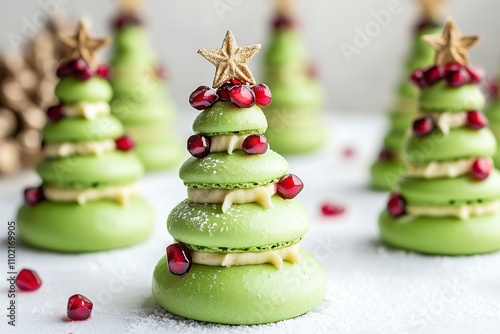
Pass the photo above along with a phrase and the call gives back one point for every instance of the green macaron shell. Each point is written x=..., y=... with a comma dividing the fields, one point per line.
x=71, y=90
x=422, y=55
x=493, y=112
x=72, y=129
x=296, y=138
x=385, y=174
x=154, y=109
x=241, y=295
x=244, y=227
x=234, y=171
x=395, y=140
x=132, y=44
x=285, y=49
x=290, y=97
x=226, y=118
x=451, y=191
x=159, y=155
x=150, y=133
x=460, y=143
x=96, y=226
x=86, y=171
x=441, y=97
x=407, y=89
x=442, y=235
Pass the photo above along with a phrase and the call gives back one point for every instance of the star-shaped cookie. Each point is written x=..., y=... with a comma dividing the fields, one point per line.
x=230, y=60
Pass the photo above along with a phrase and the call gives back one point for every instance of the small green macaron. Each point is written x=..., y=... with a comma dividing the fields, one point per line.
x=441, y=97
x=72, y=129
x=72, y=90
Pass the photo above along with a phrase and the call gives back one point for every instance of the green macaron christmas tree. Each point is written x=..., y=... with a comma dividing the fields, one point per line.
x=88, y=200
x=390, y=165
x=493, y=114
x=449, y=201
x=140, y=100
x=236, y=257
x=294, y=114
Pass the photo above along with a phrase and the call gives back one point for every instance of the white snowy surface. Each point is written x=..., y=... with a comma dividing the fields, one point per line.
x=372, y=288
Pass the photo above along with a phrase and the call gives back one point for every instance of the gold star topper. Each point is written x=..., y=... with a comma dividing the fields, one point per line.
x=451, y=46
x=230, y=60
x=81, y=44
x=130, y=6
x=285, y=7
x=432, y=9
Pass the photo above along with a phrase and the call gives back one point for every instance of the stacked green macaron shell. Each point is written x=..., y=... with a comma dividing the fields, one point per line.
x=88, y=200
x=139, y=96
x=449, y=201
x=493, y=115
x=390, y=165
x=294, y=114
x=237, y=257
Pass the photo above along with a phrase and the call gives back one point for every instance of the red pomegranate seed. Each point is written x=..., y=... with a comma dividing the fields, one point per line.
x=84, y=74
x=396, y=205
x=79, y=307
x=481, y=168
x=125, y=20
x=289, y=186
x=476, y=74
x=235, y=82
x=423, y=126
x=178, y=259
x=28, y=280
x=417, y=77
x=103, y=71
x=124, y=143
x=348, y=152
x=198, y=146
x=161, y=72
x=283, y=22
x=223, y=92
x=71, y=67
x=203, y=97
x=329, y=209
x=385, y=155
x=55, y=113
x=433, y=74
x=255, y=144
x=263, y=95
x=242, y=96
x=33, y=196
x=458, y=78
x=452, y=67
x=476, y=119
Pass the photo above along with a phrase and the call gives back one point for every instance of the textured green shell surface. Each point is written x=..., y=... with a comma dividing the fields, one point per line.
x=296, y=137
x=285, y=48
x=111, y=168
x=386, y=174
x=96, y=226
x=304, y=96
x=226, y=118
x=71, y=90
x=241, y=295
x=451, y=191
x=244, y=227
x=441, y=97
x=72, y=129
x=237, y=170
x=460, y=143
x=442, y=235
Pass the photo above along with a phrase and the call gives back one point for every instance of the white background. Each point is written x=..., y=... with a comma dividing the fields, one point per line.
x=180, y=27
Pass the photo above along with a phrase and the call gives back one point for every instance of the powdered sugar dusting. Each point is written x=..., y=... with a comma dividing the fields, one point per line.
x=160, y=321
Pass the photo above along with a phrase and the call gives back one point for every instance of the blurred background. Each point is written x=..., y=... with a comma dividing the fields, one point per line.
x=361, y=82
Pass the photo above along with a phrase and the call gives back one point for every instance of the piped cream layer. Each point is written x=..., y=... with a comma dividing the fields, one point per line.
x=274, y=257
x=463, y=211
x=260, y=195
x=61, y=150
x=120, y=194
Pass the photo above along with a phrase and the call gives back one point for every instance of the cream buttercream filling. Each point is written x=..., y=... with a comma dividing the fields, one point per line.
x=436, y=169
x=87, y=110
x=463, y=211
x=120, y=194
x=274, y=257
x=260, y=195
x=226, y=143
x=83, y=148
x=448, y=120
